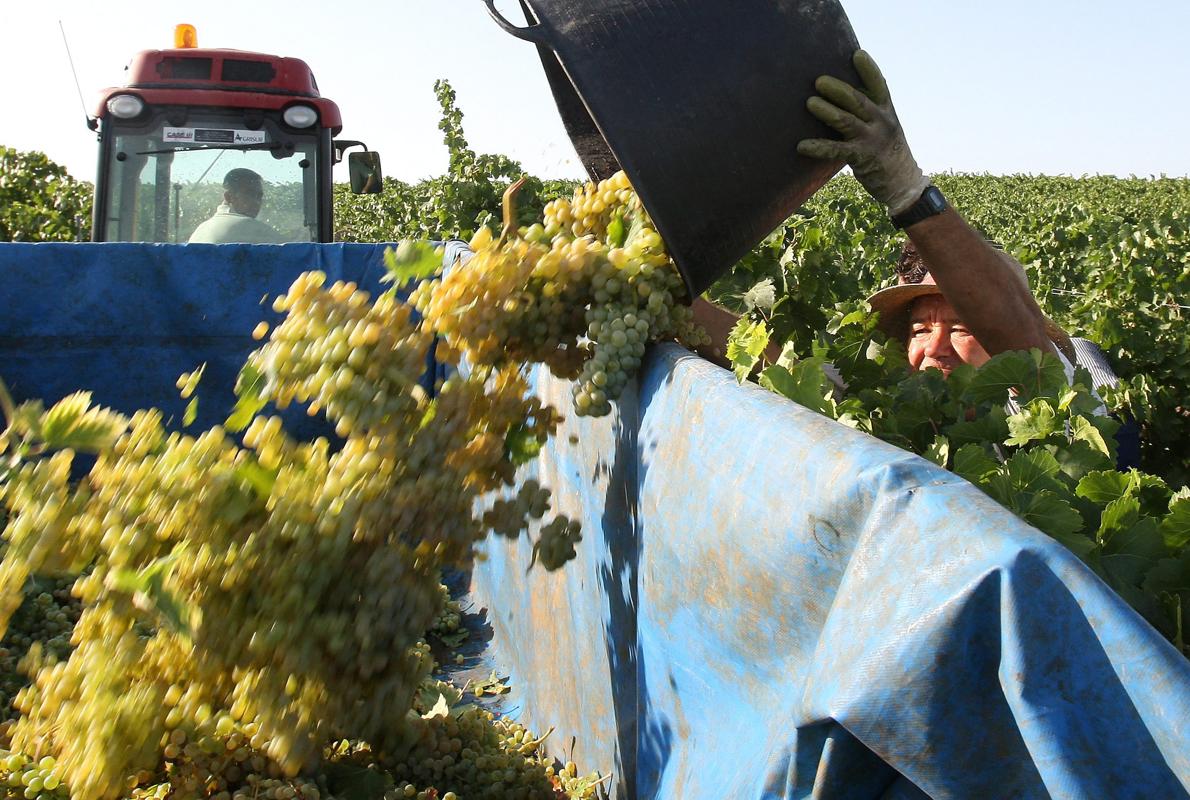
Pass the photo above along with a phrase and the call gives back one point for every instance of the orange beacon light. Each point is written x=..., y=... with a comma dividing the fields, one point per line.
x=185, y=36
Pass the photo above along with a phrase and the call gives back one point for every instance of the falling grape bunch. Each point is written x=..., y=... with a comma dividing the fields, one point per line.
x=242, y=607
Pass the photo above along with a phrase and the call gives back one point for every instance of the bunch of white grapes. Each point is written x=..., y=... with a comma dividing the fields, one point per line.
x=583, y=292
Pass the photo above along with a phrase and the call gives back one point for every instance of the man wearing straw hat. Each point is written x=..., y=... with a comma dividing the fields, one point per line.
x=916, y=312
x=973, y=300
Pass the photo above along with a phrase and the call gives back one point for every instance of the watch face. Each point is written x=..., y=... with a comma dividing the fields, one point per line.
x=935, y=200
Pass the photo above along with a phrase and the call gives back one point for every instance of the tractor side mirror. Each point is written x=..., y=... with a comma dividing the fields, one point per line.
x=365, y=172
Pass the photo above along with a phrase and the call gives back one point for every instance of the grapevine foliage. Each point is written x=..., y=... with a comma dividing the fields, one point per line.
x=1050, y=459
x=454, y=205
x=1108, y=259
x=39, y=201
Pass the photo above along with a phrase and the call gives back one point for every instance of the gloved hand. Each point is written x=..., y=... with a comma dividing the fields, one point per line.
x=873, y=144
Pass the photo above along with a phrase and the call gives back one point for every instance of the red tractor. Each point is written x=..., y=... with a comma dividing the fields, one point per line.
x=194, y=133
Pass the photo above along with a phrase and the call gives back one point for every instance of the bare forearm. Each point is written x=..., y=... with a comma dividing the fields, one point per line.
x=717, y=322
x=982, y=284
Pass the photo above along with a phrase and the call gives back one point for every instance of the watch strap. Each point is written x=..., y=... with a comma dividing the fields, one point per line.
x=931, y=202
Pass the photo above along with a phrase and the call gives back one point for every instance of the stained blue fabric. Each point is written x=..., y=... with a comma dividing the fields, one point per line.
x=767, y=604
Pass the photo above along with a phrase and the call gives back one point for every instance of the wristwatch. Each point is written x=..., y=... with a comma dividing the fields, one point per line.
x=931, y=202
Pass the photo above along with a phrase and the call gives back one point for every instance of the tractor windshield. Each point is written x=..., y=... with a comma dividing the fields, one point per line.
x=213, y=179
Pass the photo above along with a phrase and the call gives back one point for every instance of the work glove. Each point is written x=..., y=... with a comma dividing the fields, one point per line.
x=874, y=144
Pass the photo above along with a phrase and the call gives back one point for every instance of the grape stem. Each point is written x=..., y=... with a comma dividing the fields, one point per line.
x=510, y=194
x=6, y=404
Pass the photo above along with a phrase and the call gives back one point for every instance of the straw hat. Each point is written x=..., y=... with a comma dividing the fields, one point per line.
x=895, y=302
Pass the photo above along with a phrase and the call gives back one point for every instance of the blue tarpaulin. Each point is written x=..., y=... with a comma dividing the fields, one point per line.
x=125, y=320
x=766, y=604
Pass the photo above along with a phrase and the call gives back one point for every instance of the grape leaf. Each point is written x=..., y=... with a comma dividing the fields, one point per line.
x=990, y=426
x=1078, y=459
x=189, y=381
x=1129, y=555
x=250, y=398
x=521, y=444
x=1037, y=420
x=1050, y=513
x=440, y=709
x=493, y=685
x=147, y=587
x=745, y=344
x=258, y=477
x=1104, y=486
x=1118, y=515
x=1030, y=471
x=354, y=781
x=973, y=463
x=411, y=261
x=1170, y=575
x=804, y=383
x=1032, y=374
x=63, y=415
x=938, y=451
x=616, y=232
x=72, y=422
x=1098, y=432
x=762, y=295
x=191, y=412
x=1175, y=528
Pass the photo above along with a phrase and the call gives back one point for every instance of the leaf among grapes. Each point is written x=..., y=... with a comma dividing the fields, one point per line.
x=250, y=399
x=351, y=781
x=26, y=419
x=745, y=344
x=522, y=445
x=260, y=478
x=191, y=412
x=411, y=261
x=147, y=587
x=73, y=423
x=441, y=708
x=188, y=381
x=492, y=685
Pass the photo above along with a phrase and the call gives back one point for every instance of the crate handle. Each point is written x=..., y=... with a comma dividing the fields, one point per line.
x=533, y=33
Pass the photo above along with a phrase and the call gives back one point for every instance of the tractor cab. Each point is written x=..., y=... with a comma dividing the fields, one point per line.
x=219, y=146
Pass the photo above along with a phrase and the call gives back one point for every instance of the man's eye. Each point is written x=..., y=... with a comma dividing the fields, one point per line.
x=921, y=331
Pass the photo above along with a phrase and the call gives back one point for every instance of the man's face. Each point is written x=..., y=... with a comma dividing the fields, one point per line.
x=938, y=338
x=246, y=199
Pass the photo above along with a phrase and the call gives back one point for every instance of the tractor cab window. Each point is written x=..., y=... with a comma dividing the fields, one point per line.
x=213, y=179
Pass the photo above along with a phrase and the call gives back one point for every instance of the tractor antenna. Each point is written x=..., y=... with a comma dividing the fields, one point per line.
x=92, y=123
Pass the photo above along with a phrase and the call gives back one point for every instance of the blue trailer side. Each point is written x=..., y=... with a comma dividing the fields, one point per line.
x=768, y=604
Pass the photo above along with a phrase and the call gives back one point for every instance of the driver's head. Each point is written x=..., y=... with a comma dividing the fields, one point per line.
x=243, y=190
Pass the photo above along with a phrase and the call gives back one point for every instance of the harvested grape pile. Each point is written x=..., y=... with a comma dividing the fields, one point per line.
x=252, y=610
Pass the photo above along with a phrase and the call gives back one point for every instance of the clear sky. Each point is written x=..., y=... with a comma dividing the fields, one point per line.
x=1046, y=86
